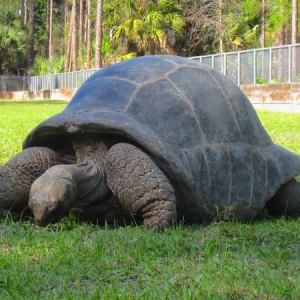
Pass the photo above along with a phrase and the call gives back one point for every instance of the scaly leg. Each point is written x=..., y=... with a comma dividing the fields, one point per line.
x=140, y=186
x=18, y=174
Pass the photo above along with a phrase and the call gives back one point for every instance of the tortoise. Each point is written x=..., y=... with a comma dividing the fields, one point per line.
x=156, y=139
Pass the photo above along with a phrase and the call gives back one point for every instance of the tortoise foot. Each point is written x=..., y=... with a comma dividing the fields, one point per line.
x=140, y=186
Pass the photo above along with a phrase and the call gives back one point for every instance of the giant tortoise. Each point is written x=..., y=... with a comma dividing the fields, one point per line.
x=158, y=139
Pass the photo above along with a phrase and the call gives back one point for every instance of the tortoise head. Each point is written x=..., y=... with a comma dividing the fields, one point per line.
x=51, y=198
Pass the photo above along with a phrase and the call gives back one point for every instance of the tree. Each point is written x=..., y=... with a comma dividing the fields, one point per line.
x=277, y=22
x=31, y=32
x=95, y=33
x=148, y=27
x=294, y=36
x=98, y=60
x=81, y=29
x=200, y=31
x=70, y=61
x=263, y=24
x=13, y=49
x=24, y=12
x=88, y=35
x=50, y=28
x=294, y=21
x=74, y=36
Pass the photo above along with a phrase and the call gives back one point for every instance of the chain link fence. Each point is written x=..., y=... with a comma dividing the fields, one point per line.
x=44, y=82
x=14, y=83
x=60, y=81
x=267, y=65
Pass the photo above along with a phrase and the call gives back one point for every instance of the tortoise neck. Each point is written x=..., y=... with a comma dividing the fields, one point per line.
x=91, y=156
x=89, y=148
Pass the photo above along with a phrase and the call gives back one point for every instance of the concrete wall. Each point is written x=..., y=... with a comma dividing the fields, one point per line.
x=56, y=94
x=276, y=97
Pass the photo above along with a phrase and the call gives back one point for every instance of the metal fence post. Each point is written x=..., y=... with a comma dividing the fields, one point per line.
x=290, y=64
x=254, y=67
x=270, y=65
x=238, y=68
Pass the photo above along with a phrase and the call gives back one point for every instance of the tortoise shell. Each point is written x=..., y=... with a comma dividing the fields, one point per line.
x=198, y=127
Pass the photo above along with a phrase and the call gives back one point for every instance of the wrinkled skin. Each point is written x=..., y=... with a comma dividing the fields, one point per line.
x=103, y=186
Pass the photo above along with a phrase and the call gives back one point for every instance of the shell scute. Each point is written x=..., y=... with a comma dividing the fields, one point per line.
x=158, y=105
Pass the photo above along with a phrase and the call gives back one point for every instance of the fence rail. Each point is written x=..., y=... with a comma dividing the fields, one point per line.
x=266, y=65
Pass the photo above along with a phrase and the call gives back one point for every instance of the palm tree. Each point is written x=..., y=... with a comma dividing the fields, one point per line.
x=147, y=27
x=13, y=49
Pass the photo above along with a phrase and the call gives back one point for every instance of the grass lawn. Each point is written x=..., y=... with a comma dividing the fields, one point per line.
x=217, y=261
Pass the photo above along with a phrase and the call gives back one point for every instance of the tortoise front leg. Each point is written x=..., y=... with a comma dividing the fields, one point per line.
x=18, y=174
x=286, y=202
x=140, y=186
x=64, y=187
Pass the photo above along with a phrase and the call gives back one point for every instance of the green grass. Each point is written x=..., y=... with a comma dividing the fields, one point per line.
x=18, y=118
x=284, y=128
x=260, y=260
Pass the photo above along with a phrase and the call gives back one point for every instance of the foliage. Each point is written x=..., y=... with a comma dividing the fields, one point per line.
x=44, y=66
x=146, y=27
x=189, y=27
x=13, y=43
x=261, y=81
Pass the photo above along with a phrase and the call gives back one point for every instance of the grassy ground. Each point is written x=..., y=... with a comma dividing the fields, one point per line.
x=218, y=261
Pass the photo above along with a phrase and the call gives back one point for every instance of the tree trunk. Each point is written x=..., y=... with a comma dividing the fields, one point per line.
x=31, y=33
x=88, y=35
x=98, y=60
x=23, y=11
x=47, y=16
x=294, y=21
x=263, y=25
x=81, y=23
x=281, y=40
x=66, y=11
x=50, y=45
x=69, y=53
x=221, y=45
x=294, y=38
x=74, y=48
